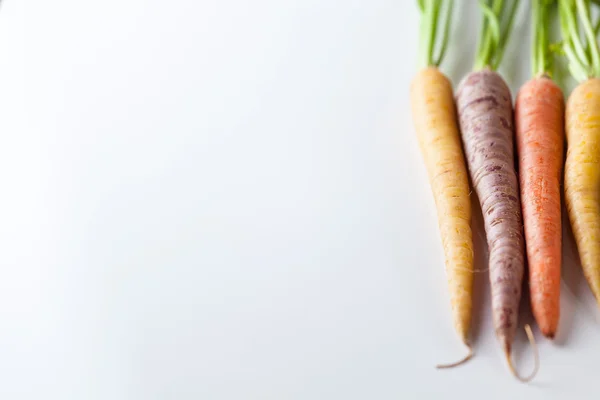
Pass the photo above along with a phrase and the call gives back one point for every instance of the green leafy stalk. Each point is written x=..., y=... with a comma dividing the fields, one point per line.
x=535, y=56
x=504, y=38
x=544, y=66
x=576, y=68
x=572, y=26
x=432, y=13
x=597, y=27
x=541, y=60
x=481, y=45
x=446, y=33
x=492, y=34
x=583, y=8
x=582, y=52
x=497, y=23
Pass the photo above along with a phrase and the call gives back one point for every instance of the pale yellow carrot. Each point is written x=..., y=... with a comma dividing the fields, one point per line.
x=582, y=176
x=434, y=116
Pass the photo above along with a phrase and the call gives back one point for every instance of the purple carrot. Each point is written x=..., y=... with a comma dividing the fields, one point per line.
x=485, y=113
x=485, y=116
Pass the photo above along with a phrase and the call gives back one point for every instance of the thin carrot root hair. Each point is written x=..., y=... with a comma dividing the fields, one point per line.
x=474, y=270
x=459, y=362
x=536, y=358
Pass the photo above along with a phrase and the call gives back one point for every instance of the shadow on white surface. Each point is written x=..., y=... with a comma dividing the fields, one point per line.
x=481, y=282
x=574, y=286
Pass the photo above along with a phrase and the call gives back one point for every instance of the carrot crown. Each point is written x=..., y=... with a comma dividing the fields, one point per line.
x=579, y=38
x=497, y=22
x=432, y=12
x=541, y=60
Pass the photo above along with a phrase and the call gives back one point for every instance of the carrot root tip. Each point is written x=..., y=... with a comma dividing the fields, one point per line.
x=550, y=335
x=459, y=362
x=535, y=357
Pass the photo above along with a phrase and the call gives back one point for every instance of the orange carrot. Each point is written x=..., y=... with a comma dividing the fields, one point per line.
x=539, y=117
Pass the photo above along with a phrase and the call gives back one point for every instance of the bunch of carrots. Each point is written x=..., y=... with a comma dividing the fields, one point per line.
x=513, y=160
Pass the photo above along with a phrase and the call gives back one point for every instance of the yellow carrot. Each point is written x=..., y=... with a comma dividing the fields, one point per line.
x=582, y=176
x=434, y=117
x=582, y=118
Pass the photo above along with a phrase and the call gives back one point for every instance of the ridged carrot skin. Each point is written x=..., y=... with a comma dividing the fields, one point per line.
x=486, y=121
x=434, y=116
x=582, y=176
x=539, y=118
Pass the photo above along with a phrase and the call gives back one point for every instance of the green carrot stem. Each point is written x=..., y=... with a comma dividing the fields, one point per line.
x=432, y=12
x=493, y=37
x=446, y=32
x=582, y=64
x=506, y=35
x=540, y=49
x=584, y=15
x=572, y=26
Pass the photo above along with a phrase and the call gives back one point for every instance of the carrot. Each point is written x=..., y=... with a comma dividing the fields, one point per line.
x=435, y=123
x=539, y=118
x=582, y=167
x=582, y=176
x=486, y=121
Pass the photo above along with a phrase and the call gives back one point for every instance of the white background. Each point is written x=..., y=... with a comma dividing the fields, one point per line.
x=224, y=199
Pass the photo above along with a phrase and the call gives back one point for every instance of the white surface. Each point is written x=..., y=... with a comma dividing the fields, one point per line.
x=225, y=200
